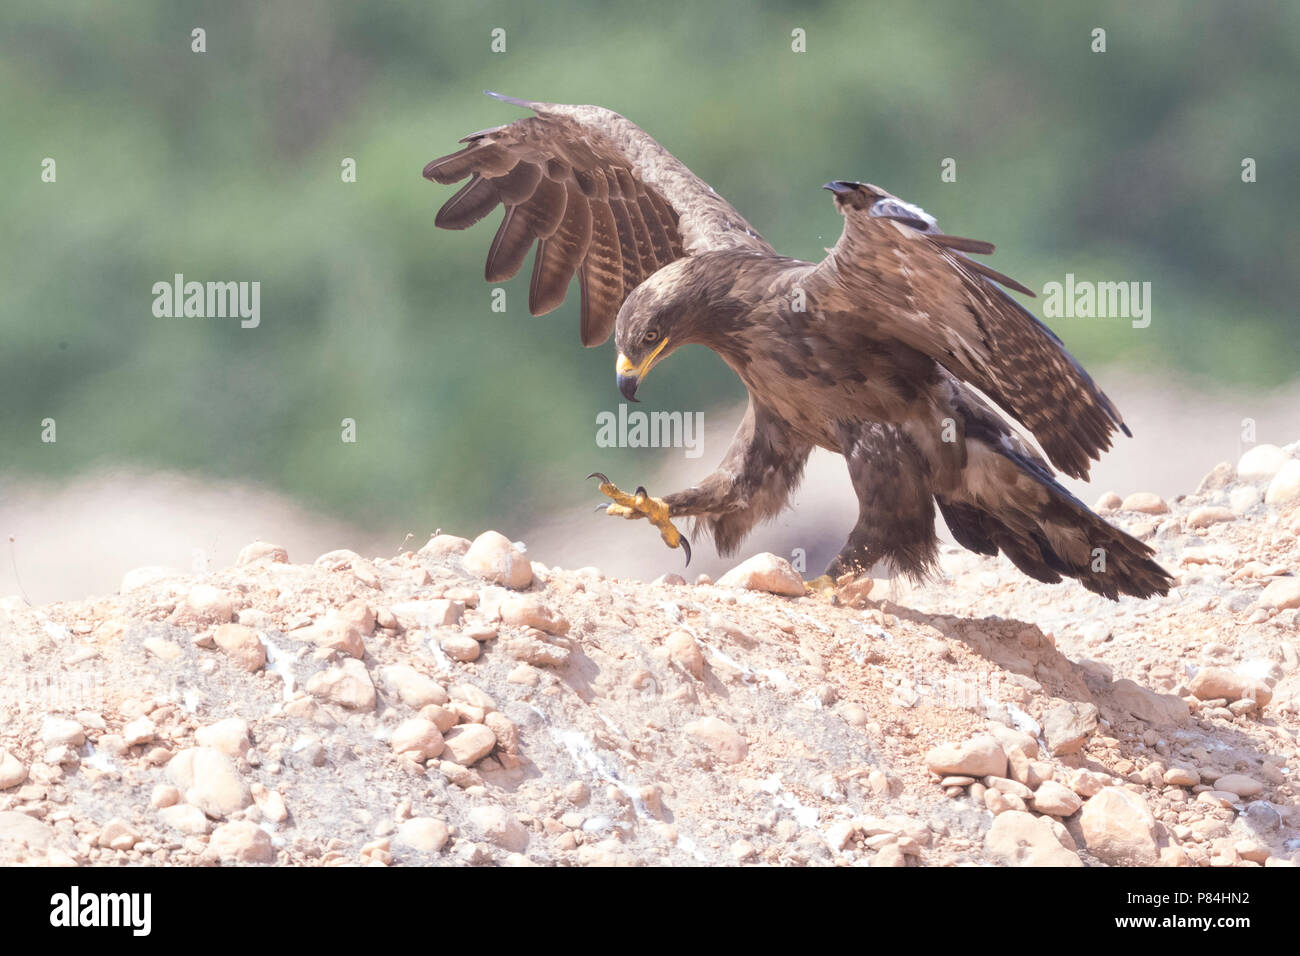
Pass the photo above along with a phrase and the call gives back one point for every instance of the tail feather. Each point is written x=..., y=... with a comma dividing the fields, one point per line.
x=1011, y=503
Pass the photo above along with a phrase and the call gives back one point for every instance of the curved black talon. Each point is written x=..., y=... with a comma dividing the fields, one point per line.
x=641, y=492
x=686, y=546
x=596, y=474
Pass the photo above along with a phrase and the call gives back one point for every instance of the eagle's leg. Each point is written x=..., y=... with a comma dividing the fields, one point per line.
x=895, y=505
x=639, y=504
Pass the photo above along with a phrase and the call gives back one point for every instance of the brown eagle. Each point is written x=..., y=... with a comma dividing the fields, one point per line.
x=871, y=353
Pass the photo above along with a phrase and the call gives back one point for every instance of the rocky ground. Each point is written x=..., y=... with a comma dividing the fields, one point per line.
x=465, y=704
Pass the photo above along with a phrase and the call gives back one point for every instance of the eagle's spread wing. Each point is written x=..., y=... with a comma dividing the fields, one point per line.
x=601, y=199
x=892, y=267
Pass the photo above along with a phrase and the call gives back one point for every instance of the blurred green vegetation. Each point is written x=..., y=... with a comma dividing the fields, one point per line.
x=225, y=165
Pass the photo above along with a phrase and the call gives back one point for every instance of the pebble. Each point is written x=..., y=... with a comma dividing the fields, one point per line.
x=469, y=743
x=164, y=795
x=209, y=780
x=184, y=818
x=528, y=611
x=411, y=687
x=1108, y=502
x=60, y=731
x=765, y=572
x=1067, y=726
x=242, y=646
x=718, y=738
x=1182, y=777
x=423, y=833
x=230, y=736
x=417, y=738
x=1284, y=489
x=980, y=756
x=204, y=604
x=499, y=827
x=1261, y=463
x=1056, y=799
x=347, y=684
x=12, y=770
x=684, y=651
x=532, y=650
x=460, y=648
x=336, y=634
x=1216, y=683
x=1281, y=593
x=505, y=731
x=445, y=545
x=1119, y=828
x=1145, y=502
x=242, y=842
x=1244, y=497
x=117, y=834
x=262, y=551
x=139, y=731
x=1207, y=515
x=1239, y=784
x=493, y=558
x=1018, y=838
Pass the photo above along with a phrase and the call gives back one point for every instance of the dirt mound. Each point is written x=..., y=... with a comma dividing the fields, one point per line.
x=467, y=705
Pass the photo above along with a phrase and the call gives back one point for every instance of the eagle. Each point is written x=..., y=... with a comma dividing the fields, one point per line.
x=897, y=351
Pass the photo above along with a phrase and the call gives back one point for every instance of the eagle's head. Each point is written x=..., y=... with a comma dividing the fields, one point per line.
x=663, y=313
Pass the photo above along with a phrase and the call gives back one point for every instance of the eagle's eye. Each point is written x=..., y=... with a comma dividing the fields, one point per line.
x=650, y=336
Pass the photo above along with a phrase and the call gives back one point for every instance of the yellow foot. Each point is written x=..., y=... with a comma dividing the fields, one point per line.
x=823, y=586
x=639, y=504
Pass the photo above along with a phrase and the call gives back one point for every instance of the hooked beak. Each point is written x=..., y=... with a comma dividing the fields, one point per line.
x=630, y=376
x=840, y=186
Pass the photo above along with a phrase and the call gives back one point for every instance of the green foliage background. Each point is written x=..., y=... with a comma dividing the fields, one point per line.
x=225, y=165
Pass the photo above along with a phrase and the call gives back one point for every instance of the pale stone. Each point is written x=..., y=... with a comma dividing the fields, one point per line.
x=440, y=717
x=765, y=572
x=139, y=731
x=1108, y=502
x=460, y=648
x=469, y=743
x=1239, y=784
x=12, y=770
x=164, y=795
x=417, y=738
x=1216, y=683
x=1261, y=463
x=411, y=687
x=1281, y=593
x=445, y=545
x=423, y=833
x=719, y=738
x=1067, y=725
x=347, y=684
x=262, y=551
x=1145, y=502
x=1284, y=489
x=230, y=736
x=335, y=633
x=532, y=650
x=1244, y=497
x=499, y=826
x=204, y=604
x=242, y=645
x=684, y=651
x=242, y=842
x=493, y=558
x=1119, y=829
x=117, y=834
x=1056, y=799
x=209, y=780
x=979, y=756
x=60, y=731
x=528, y=611
x=1182, y=777
x=1207, y=515
x=1021, y=839
x=185, y=818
